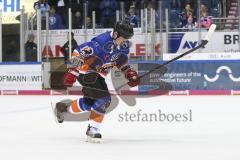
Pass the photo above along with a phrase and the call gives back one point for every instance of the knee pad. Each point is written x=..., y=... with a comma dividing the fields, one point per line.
x=102, y=104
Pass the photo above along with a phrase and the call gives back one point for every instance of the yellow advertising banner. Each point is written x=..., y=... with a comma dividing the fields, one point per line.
x=12, y=8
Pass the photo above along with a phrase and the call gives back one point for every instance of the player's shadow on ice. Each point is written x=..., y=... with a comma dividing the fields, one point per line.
x=145, y=91
x=129, y=97
x=151, y=84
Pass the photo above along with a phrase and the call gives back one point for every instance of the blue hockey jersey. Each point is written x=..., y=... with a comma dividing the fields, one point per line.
x=101, y=51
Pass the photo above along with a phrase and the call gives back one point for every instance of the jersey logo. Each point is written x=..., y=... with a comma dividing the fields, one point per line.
x=86, y=51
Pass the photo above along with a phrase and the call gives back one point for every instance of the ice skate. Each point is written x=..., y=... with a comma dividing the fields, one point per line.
x=93, y=135
x=59, y=109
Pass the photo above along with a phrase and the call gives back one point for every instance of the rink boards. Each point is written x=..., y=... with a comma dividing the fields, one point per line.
x=185, y=77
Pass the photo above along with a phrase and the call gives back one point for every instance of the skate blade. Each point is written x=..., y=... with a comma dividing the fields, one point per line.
x=93, y=140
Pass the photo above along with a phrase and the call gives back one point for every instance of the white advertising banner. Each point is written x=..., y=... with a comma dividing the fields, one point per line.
x=222, y=46
x=221, y=42
x=28, y=77
x=20, y=77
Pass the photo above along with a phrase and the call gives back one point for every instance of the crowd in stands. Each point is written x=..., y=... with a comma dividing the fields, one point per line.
x=189, y=21
x=182, y=13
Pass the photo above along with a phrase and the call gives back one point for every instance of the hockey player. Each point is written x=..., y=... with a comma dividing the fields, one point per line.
x=91, y=62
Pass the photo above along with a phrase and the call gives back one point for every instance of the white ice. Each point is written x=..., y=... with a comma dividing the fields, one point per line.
x=28, y=131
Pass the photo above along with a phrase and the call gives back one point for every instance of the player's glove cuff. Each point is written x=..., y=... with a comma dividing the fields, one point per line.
x=76, y=61
x=70, y=78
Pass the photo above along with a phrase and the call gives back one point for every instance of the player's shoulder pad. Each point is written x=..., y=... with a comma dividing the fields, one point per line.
x=102, y=39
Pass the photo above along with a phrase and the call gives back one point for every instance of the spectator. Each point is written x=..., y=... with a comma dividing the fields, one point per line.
x=31, y=49
x=133, y=3
x=188, y=11
x=108, y=12
x=55, y=20
x=190, y=26
x=62, y=10
x=207, y=3
x=188, y=8
x=89, y=22
x=65, y=48
x=60, y=3
x=132, y=17
x=206, y=21
x=44, y=8
x=192, y=3
x=203, y=8
x=77, y=20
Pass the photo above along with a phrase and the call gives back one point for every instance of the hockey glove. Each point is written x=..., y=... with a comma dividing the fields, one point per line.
x=133, y=77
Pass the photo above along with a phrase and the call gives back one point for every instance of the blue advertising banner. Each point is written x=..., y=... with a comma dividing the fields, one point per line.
x=193, y=75
x=175, y=40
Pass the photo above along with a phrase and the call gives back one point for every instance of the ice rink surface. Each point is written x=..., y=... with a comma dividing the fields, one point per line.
x=28, y=130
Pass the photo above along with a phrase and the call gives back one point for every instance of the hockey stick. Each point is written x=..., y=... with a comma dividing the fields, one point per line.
x=202, y=44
